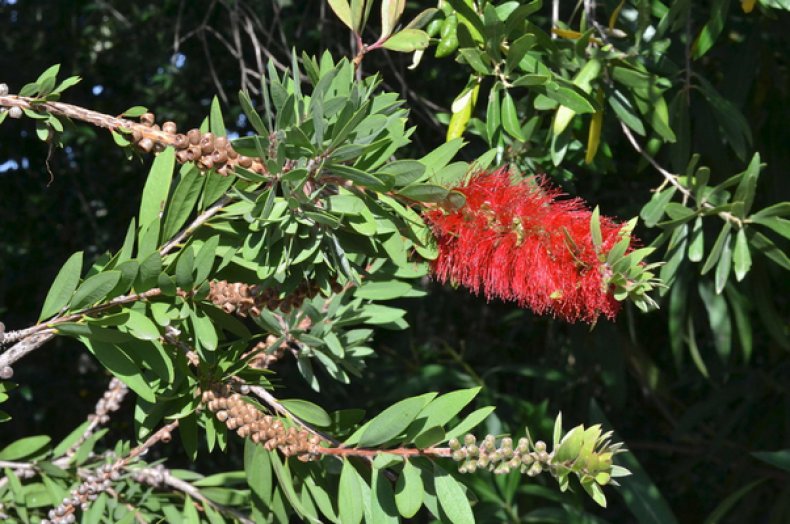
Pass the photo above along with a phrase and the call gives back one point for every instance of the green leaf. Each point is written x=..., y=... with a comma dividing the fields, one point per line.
x=443, y=408
x=182, y=203
x=557, y=434
x=748, y=184
x=382, y=500
x=391, y=11
x=383, y=290
x=570, y=445
x=204, y=260
x=697, y=242
x=712, y=29
x=476, y=59
x=392, y=421
x=452, y=497
x=216, y=124
x=157, y=187
x=569, y=98
x=765, y=245
x=719, y=318
x=357, y=176
x=779, y=459
x=185, y=266
x=350, y=495
x=307, y=411
x=510, y=118
x=135, y=111
x=343, y=11
x=46, y=80
x=140, y=326
x=470, y=422
x=718, y=246
x=442, y=155
x=723, y=267
x=407, y=41
x=519, y=48
x=653, y=211
x=424, y=193
x=493, y=117
x=741, y=257
x=595, y=492
x=778, y=225
x=409, y=490
x=63, y=287
x=122, y=366
x=780, y=209
x=148, y=273
x=25, y=447
x=258, y=470
x=94, y=289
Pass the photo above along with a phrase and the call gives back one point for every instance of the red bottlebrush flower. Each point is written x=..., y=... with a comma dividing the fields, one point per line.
x=519, y=242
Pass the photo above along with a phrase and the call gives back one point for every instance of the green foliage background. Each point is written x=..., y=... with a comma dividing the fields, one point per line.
x=693, y=435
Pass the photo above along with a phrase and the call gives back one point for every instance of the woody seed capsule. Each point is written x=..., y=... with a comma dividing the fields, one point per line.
x=147, y=119
x=146, y=144
x=169, y=127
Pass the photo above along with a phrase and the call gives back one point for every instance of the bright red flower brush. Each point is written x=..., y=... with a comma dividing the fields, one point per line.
x=520, y=242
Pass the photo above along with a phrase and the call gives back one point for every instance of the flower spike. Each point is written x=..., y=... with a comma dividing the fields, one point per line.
x=522, y=243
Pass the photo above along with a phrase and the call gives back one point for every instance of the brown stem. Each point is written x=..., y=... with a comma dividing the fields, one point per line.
x=371, y=453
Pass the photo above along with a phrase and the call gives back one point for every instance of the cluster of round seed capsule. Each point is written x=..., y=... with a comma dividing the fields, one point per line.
x=266, y=353
x=206, y=150
x=243, y=299
x=248, y=421
x=110, y=401
x=500, y=459
x=153, y=476
x=81, y=496
x=14, y=111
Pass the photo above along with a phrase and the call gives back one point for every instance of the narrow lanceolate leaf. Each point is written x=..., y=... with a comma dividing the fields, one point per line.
x=452, y=497
x=594, y=134
x=715, y=253
x=392, y=421
x=63, y=287
x=510, y=117
x=407, y=41
x=343, y=11
x=95, y=289
x=741, y=258
x=157, y=188
x=409, y=491
x=24, y=447
x=217, y=126
x=391, y=11
x=350, y=495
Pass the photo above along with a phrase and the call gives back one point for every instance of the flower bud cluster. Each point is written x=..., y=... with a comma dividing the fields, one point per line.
x=248, y=421
x=206, y=150
x=243, y=299
x=110, y=401
x=81, y=496
x=500, y=459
